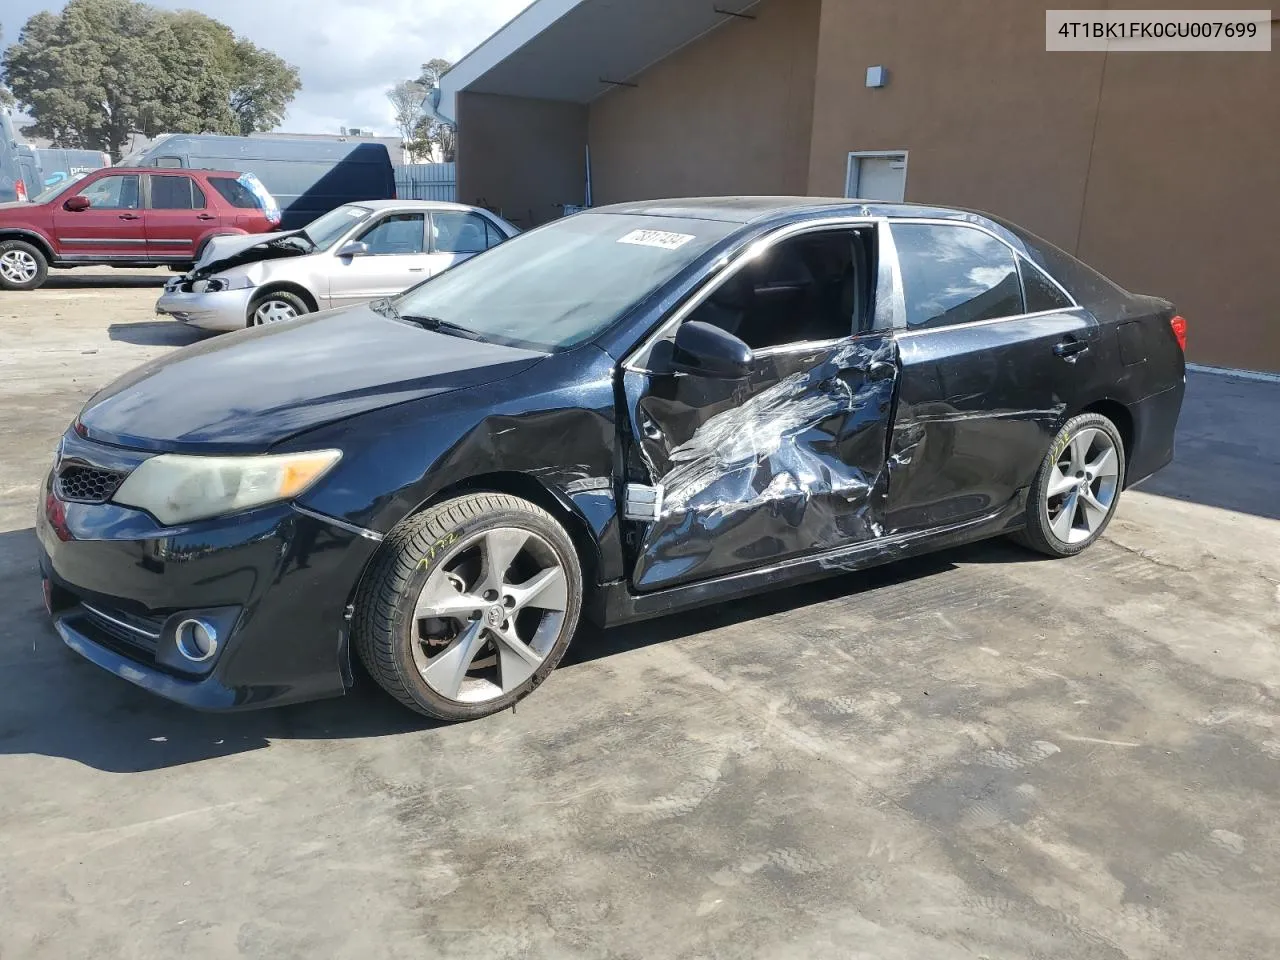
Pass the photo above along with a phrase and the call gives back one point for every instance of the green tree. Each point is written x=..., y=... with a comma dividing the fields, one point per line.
x=262, y=85
x=6, y=98
x=103, y=70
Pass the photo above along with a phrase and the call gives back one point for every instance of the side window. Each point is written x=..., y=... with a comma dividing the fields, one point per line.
x=400, y=233
x=117, y=192
x=175, y=193
x=458, y=232
x=234, y=192
x=169, y=163
x=955, y=274
x=811, y=288
x=1040, y=292
x=493, y=236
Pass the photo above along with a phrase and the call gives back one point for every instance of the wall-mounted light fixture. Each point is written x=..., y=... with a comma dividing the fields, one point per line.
x=877, y=76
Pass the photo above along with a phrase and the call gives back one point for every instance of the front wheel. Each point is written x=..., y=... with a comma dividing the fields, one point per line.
x=470, y=606
x=275, y=307
x=22, y=265
x=1077, y=488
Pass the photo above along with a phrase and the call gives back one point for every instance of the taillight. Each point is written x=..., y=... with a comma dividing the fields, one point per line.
x=21, y=189
x=1179, y=326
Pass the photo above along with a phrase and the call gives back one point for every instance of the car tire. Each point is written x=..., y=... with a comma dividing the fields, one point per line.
x=1077, y=488
x=428, y=623
x=278, y=304
x=23, y=266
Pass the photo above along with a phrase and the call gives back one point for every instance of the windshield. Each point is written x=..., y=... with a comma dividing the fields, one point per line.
x=565, y=283
x=325, y=231
x=48, y=193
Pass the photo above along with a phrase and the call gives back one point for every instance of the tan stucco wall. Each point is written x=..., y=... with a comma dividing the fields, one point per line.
x=1162, y=170
x=728, y=114
x=521, y=157
x=1184, y=195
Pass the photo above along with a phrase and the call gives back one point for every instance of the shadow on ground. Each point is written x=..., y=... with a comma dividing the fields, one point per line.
x=59, y=280
x=157, y=333
x=58, y=705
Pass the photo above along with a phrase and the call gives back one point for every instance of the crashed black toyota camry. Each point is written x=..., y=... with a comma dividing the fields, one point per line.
x=629, y=412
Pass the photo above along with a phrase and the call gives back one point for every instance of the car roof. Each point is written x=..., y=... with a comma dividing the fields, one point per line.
x=768, y=211
x=754, y=209
x=164, y=170
x=409, y=205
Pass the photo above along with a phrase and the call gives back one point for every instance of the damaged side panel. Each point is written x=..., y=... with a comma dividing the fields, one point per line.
x=977, y=408
x=744, y=472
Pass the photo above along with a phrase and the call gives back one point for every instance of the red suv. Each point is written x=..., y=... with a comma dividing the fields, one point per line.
x=128, y=218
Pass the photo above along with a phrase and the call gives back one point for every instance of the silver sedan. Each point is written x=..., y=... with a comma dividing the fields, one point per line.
x=355, y=253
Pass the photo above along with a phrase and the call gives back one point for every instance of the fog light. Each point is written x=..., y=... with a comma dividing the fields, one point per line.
x=197, y=640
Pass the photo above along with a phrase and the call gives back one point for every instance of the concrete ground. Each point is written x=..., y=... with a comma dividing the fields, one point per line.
x=974, y=754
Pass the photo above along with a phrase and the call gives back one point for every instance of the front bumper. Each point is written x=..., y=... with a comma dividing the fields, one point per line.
x=224, y=310
x=276, y=581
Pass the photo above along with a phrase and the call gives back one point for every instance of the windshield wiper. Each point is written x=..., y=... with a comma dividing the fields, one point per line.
x=434, y=324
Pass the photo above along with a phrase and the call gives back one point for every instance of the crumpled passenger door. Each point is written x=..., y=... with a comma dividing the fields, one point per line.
x=747, y=473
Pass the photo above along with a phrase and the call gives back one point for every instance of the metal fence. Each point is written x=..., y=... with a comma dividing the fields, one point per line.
x=427, y=181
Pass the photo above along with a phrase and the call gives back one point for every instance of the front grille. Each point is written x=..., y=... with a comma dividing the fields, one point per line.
x=84, y=484
x=140, y=635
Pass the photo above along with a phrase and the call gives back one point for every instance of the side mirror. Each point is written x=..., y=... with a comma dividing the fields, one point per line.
x=355, y=248
x=708, y=351
x=77, y=204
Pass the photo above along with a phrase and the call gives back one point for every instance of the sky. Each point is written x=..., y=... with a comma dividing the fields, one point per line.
x=348, y=51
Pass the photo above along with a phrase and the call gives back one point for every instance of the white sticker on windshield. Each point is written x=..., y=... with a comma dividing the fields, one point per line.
x=657, y=238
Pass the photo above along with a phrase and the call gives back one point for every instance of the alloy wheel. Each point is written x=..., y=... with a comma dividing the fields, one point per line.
x=1082, y=486
x=488, y=615
x=273, y=311
x=18, y=266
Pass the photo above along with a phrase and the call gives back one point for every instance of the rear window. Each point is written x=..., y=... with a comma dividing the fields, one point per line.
x=235, y=193
x=247, y=193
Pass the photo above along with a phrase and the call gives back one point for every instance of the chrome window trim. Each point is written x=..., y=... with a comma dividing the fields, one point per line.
x=920, y=332
x=730, y=267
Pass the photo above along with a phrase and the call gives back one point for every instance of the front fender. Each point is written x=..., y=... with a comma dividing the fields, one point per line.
x=28, y=232
x=554, y=423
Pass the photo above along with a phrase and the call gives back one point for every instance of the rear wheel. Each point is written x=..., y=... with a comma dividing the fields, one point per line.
x=470, y=606
x=23, y=266
x=1077, y=488
x=275, y=307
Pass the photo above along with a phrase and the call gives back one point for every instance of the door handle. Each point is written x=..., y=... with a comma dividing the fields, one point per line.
x=205, y=216
x=1070, y=350
x=129, y=216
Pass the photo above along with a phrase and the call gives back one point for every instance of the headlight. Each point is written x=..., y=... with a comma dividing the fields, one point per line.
x=178, y=489
x=218, y=284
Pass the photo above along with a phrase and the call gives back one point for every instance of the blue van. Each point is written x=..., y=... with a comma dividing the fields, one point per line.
x=307, y=177
x=58, y=164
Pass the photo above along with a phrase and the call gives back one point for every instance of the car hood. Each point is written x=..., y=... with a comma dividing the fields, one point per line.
x=16, y=205
x=223, y=253
x=246, y=391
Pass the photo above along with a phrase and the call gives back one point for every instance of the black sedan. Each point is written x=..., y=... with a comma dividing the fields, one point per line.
x=623, y=414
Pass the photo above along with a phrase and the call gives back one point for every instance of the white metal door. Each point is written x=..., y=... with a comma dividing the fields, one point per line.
x=877, y=176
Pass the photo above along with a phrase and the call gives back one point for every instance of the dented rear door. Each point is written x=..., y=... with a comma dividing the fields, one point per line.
x=745, y=473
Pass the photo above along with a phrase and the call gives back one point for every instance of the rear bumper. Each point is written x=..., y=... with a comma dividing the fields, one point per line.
x=275, y=583
x=1155, y=424
x=224, y=310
